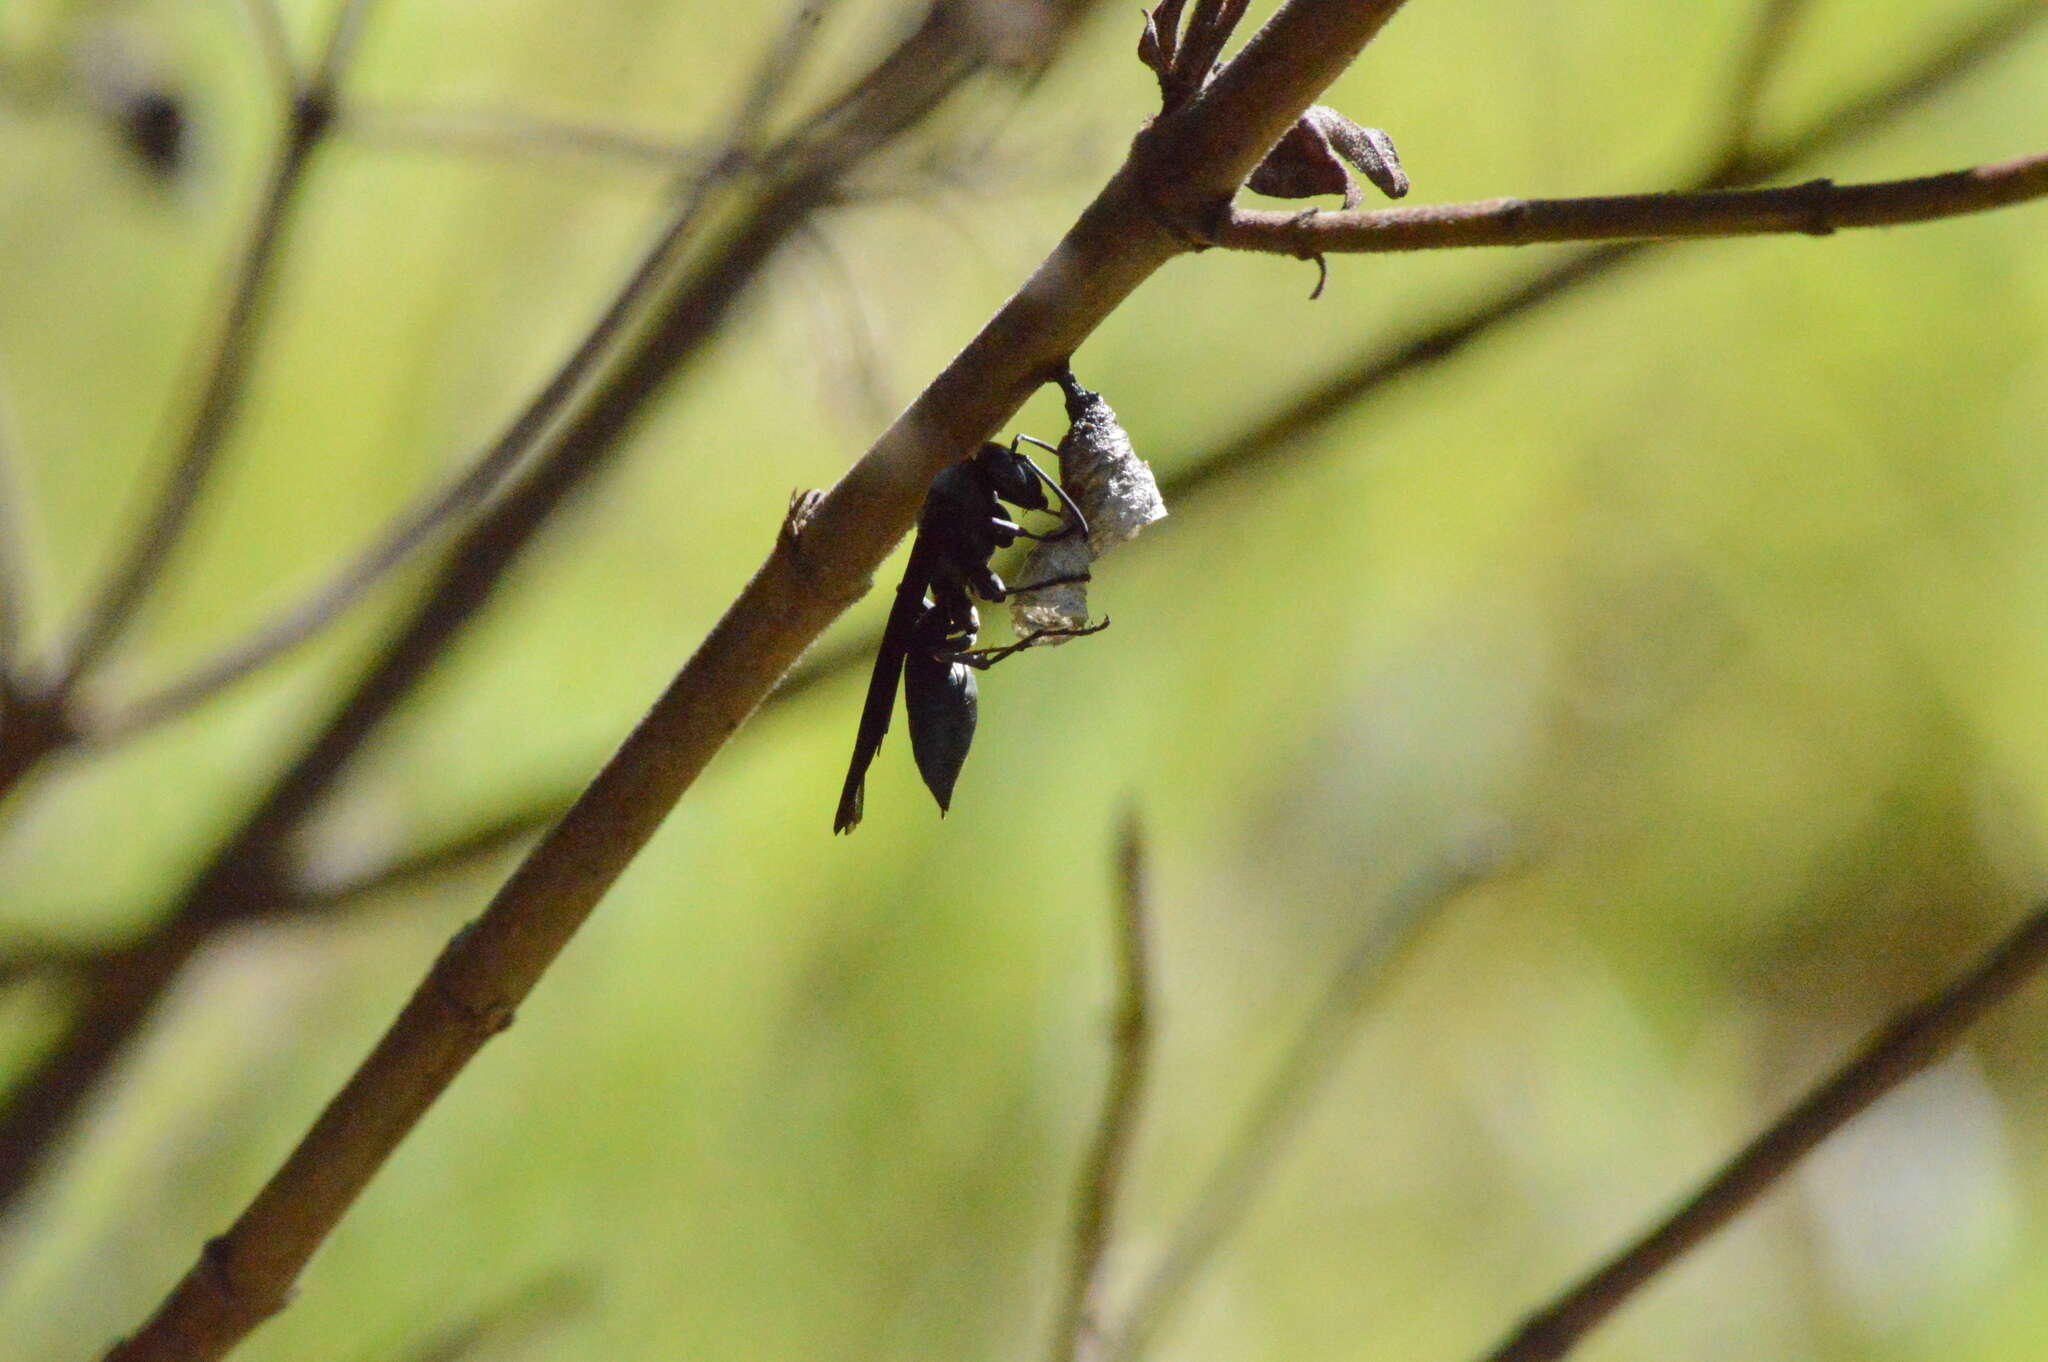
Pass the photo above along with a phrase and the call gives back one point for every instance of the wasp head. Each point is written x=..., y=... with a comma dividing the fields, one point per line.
x=1012, y=476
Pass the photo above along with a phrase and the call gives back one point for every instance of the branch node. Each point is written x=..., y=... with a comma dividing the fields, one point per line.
x=483, y=1019
x=216, y=1271
x=1822, y=191
x=313, y=113
x=803, y=505
x=1194, y=230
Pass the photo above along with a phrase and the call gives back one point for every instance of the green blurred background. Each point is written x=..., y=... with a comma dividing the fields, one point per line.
x=1716, y=593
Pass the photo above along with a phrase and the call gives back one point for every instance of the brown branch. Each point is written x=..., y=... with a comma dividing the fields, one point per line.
x=1890, y=1057
x=486, y=971
x=1276, y=1112
x=104, y=722
x=246, y=877
x=225, y=367
x=1817, y=208
x=1077, y=1331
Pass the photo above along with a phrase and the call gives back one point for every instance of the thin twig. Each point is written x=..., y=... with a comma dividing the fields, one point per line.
x=306, y=893
x=1890, y=1057
x=245, y=878
x=510, y=133
x=455, y=855
x=275, y=43
x=1770, y=38
x=339, y=51
x=490, y=468
x=1209, y=28
x=483, y=975
x=1817, y=208
x=1077, y=1330
x=21, y=962
x=510, y=1322
x=775, y=73
x=1275, y=1115
x=839, y=306
x=225, y=367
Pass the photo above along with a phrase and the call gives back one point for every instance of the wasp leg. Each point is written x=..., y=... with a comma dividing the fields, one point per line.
x=1071, y=579
x=981, y=659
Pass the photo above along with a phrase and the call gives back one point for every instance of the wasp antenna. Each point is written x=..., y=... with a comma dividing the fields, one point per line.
x=1075, y=518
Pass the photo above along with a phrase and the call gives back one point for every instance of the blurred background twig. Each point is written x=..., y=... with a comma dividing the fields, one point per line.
x=1260, y=1138
x=1078, y=1326
x=1908, y=1046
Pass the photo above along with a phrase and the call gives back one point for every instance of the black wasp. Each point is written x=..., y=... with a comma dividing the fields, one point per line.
x=927, y=641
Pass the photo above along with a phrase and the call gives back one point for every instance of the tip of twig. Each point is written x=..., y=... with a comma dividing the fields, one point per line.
x=1130, y=856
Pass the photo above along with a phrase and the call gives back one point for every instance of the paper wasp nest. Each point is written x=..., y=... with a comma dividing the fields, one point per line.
x=1114, y=489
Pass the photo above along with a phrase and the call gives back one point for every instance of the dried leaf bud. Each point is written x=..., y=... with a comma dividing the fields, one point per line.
x=153, y=126
x=1309, y=160
x=125, y=82
x=1369, y=149
x=1115, y=491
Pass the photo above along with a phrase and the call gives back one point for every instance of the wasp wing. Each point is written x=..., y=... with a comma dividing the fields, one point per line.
x=881, y=701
